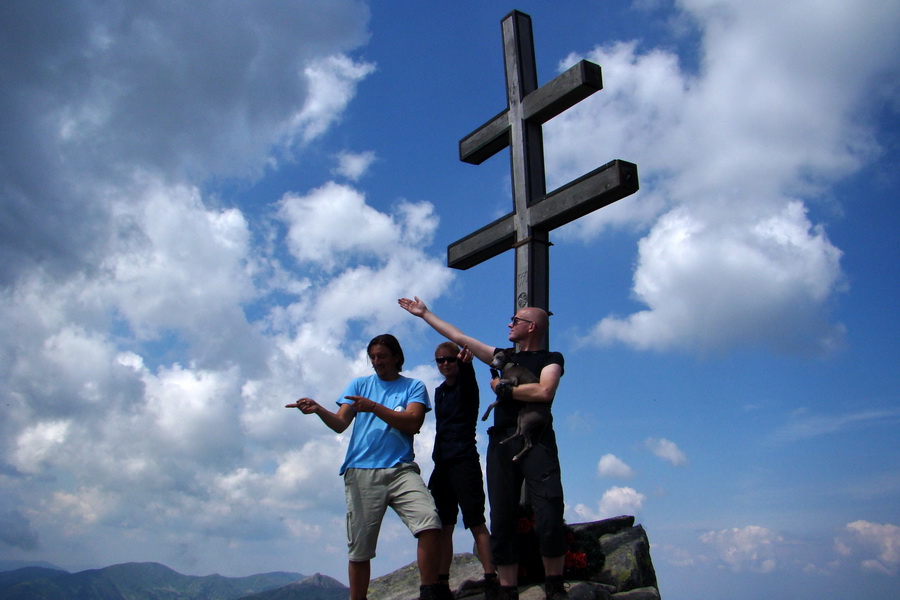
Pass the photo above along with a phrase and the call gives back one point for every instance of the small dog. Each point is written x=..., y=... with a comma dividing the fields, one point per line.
x=533, y=414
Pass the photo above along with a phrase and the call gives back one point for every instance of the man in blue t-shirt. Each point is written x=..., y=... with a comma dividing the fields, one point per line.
x=387, y=410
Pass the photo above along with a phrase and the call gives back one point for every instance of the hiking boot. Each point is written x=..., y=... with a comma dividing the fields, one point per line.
x=507, y=592
x=444, y=592
x=492, y=588
x=432, y=592
x=555, y=588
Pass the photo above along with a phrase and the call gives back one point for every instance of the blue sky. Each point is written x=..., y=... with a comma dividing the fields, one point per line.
x=209, y=209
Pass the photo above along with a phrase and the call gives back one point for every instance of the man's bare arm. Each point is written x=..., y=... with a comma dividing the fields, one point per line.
x=482, y=351
x=542, y=391
x=337, y=422
x=408, y=421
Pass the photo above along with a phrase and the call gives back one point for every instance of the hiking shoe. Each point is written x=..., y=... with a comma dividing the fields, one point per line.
x=432, y=592
x=555, y=588
x=508, y=592
x=492, y=588
x=444, y=592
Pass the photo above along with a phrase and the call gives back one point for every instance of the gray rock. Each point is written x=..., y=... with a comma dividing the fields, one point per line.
x=628, y=565
x=625, y=573
x=647, y=593
x=403, y=584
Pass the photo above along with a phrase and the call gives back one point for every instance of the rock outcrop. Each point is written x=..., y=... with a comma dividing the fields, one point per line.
x=607, y=560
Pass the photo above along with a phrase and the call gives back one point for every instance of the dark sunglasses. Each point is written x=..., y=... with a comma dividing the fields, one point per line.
x=445, y=359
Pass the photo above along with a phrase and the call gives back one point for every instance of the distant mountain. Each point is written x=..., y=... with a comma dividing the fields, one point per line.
x=314, y=587
x=12, y=565
x=134, y=581
x=13, y=577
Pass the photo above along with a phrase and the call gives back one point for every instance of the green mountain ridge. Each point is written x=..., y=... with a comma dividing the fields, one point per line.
x=154, y=581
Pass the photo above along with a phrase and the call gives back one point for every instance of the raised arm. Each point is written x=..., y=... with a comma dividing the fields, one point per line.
x=482, y=351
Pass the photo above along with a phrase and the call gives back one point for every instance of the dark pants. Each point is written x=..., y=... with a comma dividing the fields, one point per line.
x=540, y=471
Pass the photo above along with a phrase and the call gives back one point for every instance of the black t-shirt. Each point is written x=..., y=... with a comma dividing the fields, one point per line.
x=456, y=413
x=506, y=413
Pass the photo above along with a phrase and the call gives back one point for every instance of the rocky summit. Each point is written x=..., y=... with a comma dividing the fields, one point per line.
x=607, y=560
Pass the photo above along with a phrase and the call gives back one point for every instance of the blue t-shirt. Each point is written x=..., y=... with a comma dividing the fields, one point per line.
x=373, y=443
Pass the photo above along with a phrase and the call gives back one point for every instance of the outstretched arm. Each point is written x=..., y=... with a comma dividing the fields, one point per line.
x=337, y=422
x=482, y=351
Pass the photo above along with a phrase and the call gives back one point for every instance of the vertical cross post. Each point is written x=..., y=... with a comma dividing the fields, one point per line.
x=526, y=163
x=535, y=212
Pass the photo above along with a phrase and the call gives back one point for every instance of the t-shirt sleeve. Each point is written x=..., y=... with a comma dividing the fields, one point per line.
x=419, y=393
x=556, y=358
x=352, y=389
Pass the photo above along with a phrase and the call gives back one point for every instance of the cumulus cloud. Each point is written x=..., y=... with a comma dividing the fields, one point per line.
x=874, y=547
x=333, y=225
x=332, y=84
x=667, y=450
x=354, y=165
x=185, y=91
x=750, y=548
x=736, y=156
x=615, y=501
x=612, y=466
x=151, y=331
x=709, y=285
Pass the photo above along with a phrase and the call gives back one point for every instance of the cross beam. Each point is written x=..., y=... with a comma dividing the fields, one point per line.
x=535, y=212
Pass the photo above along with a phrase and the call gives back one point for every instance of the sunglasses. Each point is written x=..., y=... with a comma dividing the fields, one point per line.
x=445, y=359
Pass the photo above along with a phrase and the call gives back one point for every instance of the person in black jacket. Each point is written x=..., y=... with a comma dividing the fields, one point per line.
x=456, y=482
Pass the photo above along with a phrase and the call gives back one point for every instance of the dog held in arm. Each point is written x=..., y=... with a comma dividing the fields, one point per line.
x=533, y=414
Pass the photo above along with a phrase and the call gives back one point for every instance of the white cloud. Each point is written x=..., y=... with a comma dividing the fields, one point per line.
x=380, y=256
x=37, y=443
x=667, y=450
x=710, y=286
x=615, y=501
x=84, y=506
x=332, y=225
x=181, y=92
x=611, y=466
x=735, y=155
x=176, y=265
x=354, y=165
x=186, y=406
x=750, y=548
x=874, y=546
x=147, y=361
x=805, y=424
x=332, y=84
